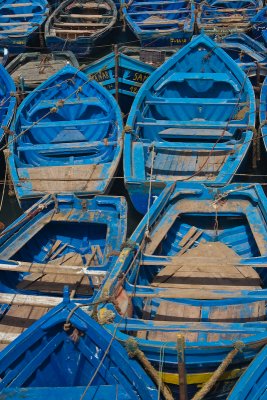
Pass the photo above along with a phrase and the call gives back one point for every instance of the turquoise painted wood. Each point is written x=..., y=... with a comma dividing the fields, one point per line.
x=253, y=383
x=53, y=360
x=21, y=23
x=68, y=138
x=7, y=101
x=160, y=23
x=62, y=230
x=151, y=275
x=131, y=75
x=262, y=112
x=190, y=121
x=259, y=26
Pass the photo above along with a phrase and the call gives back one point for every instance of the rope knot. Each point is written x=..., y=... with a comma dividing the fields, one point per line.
x=60, y=103
x=105, y=316
x=53, y=109
x=67, y=326
x=131, y=347
x=7, y=131
x=239, y=345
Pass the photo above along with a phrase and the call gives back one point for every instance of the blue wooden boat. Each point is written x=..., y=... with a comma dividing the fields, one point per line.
x=61, y=240
x=21, y=23
x=244, y=50
x=78, y=26
x=189, y=121
x=131, y=75
x=7, y=101
x=29, y=70
x=67, y=138
x=253, y=383
x=160, y=22
x=195, y=265
x=219, y=18
x=262, y=112
x=259, y=26
x=75, y=360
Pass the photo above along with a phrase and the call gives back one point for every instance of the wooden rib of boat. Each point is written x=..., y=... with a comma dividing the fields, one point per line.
x=253, y=383
x=221, y=18
x=121, y=76
x=7, y=101
x=29, y=70
x=195, y=266
x=72, y=361
x=259, y=26
x=68, y=135
x=190, y=121
x=61, y=240
x=21, y=22
x=160, y=23
x=77, y=26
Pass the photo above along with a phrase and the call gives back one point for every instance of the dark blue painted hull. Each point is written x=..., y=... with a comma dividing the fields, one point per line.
x=79, y=360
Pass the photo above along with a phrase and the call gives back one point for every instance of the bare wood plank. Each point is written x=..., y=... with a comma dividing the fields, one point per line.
x=66, y=24
x=84, y=16
x=50, y=269
x=28, y=300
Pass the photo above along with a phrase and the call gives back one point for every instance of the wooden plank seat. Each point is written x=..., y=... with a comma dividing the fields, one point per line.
x=14, y=5
x=160, y=3
x=198, y=101
x=71, y=147
x=161, y=12
x=191, y=123
x=84, y=16
x=195, y=133
x=19, y=16
x=178, y=312
x=186, y=76
x=78, y=24
x=74, y=31
x=28, y=23
x=72, y=178
x=15, y=30
x=46, y=104
x=63, y=124
x=157, y=22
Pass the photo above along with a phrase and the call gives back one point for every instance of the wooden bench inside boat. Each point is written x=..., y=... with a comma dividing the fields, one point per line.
x=201, y=124
x=65, y=124
x=195, y=133
x=209, y=266
x=187, y=76
x=78, y=24
x=67, y=178
x=84, y=16
x=74, y=31
x=153, y=100
x=70, y=147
